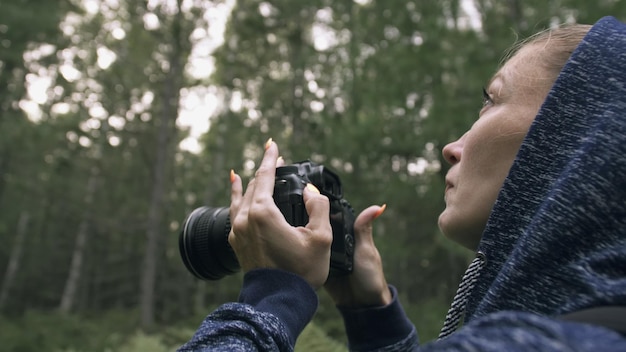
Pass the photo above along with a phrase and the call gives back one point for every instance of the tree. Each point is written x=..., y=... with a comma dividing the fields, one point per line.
x=14, y=260
x=370, y=89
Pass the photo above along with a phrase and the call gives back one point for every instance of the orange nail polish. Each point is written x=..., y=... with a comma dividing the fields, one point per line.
x=380, y=211
x=232, y=176
x=268, y=144
x=312, y=188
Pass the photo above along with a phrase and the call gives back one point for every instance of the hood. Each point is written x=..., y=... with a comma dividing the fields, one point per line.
x=556, y=239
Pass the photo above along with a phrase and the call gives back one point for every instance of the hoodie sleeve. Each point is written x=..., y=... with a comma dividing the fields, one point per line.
x=380, y=328
x=274, y=307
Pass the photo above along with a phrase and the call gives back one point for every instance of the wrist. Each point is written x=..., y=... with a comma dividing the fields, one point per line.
x=352, y=300
x=283, y=294
x=369, y=328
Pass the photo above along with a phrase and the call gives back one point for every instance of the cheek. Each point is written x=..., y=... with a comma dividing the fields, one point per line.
x=489, y=155
x=493, y=164
x=484, y=165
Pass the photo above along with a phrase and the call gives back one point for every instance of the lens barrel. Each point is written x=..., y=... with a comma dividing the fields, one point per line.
x=203, y=244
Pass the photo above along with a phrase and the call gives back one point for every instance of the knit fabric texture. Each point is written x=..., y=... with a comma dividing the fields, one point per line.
x=556, y=239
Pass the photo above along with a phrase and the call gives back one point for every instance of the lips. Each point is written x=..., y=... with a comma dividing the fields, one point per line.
x=448, y=185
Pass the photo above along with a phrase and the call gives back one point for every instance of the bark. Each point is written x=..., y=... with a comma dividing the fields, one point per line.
x=298, y=83
x=215, y=178
x=151, y=257
x=73, y=279
x=4, y=161
x=14, y=261
x=165, y=126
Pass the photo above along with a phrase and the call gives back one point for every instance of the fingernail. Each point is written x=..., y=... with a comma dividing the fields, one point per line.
x=380, y=211
x=232, y=176
x=279, y=160
x=268, y=144
x=312, y=188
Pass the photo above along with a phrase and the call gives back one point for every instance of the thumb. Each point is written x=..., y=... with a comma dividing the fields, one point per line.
x=318, y=208
x=363, y=223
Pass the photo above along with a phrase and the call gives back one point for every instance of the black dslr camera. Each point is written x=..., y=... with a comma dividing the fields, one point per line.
x=203, y=241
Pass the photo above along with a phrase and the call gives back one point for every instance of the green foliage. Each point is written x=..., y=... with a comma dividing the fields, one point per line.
x=61, y=333
x=428, y=317
x=56, y=332
x=314, y=339
x=144, y=343
x=34, y=330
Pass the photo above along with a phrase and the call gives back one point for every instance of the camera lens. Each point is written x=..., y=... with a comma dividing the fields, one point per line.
x=203, y=244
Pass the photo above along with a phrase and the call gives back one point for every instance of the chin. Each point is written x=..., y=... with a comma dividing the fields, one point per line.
x=463, y=230
x=459, y=234
x=446, y=224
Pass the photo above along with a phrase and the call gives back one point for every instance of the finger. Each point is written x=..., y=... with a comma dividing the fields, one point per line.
x=363, y=223
x=318, y=208
x=236, y=192
x=265, y=175
x=240, y=218
x=280, y=161
x=236, y=196
x=249, y=194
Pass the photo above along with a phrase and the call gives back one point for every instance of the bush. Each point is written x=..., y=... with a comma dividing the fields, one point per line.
x=144, y=343
x=428, y=317
x=116, y=332
x=54, y=332
x=113, y=332
x=314, y=339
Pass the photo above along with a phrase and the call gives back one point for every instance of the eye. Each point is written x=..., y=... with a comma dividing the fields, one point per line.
x=487, y=101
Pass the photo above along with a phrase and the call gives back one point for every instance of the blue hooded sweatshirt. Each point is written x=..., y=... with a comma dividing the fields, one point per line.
x=555, y=242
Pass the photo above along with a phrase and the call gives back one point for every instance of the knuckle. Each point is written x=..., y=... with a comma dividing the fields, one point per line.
x=258, y=211
x=322, y=200
x=239, y=224
x=232, y=239
x=328, y=238
x=262, y=170
x=324, y=237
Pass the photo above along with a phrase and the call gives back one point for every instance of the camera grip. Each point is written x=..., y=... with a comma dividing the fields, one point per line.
x=288, y=199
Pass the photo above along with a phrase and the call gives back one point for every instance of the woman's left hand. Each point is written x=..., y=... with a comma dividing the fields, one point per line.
x=366, y=286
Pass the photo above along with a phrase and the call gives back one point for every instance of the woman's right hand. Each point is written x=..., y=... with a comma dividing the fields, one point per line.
x=262, y=238
x=366, y=286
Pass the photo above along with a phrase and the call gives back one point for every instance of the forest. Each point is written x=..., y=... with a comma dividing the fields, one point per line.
x=119, y=117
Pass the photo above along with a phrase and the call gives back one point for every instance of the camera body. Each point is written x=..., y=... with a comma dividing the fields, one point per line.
x=203, y=241
x=288, y=187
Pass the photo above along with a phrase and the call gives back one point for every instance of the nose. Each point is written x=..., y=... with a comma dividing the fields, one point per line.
x=452, y=151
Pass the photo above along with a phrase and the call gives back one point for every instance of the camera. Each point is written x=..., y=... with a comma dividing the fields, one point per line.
x=203, y=240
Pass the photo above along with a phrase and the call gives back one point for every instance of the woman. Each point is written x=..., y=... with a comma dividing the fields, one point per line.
x=537, y=187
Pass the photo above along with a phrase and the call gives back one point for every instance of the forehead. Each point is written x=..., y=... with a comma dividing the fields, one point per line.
x=523, y=69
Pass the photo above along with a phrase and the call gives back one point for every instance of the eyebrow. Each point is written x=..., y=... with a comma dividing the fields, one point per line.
x=499, y=75
x=496, y=76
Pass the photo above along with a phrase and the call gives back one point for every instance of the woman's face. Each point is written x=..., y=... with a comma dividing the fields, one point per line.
x=482, y=157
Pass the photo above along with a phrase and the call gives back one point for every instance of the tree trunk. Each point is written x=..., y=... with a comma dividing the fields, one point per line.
x=14, y=261
x=5, y=159
x=73, y=279
x=151, y=256
x=297, y=60
x=165, y=126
